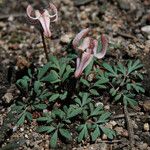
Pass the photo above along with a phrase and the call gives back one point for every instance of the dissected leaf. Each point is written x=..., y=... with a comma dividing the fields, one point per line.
x=65, y=133
x=40, y=106
x=95, y=134
x=53, y=140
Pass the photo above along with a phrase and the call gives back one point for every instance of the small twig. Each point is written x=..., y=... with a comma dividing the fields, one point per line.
x=129, y=127
x=13, y=15
x=129, y=36
x=126, y=35
x=44, y=45
x=109, y=142
x=130, y=114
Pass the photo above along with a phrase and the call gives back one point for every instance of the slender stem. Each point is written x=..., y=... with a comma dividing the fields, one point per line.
x=44, y=45
x=129, y=127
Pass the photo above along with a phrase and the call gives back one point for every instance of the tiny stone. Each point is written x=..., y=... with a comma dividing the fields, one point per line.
x=119, y=130
x=66, y=38
x=146, y=127
x=107, y=107
x=21, y=129
x=104, y=137
x=26, y=136
x=146, y=29
x=143, y=146
x=113, y=123
x=99, y=103
x=148, y=148
x=125, y=133
x=8, y=97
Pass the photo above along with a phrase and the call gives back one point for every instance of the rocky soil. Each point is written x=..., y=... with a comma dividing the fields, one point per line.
x=127, y=25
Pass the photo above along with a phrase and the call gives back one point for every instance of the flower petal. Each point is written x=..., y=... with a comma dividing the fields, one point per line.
x=45, y=22
x=84, y=45
x=54, y=9
x=83, y=63
x=104, y=42
x=30, y=11
x=80, y=36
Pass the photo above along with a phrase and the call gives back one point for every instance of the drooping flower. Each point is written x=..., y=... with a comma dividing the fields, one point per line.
x=87, y=50
x=43, y=17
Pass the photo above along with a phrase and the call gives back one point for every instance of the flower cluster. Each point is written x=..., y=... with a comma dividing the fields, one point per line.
x=85, y=46
x=43, y=17
x=87, y=50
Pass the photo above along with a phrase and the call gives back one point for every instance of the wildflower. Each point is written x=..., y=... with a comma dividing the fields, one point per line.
x=43, y=17
x=87, y=50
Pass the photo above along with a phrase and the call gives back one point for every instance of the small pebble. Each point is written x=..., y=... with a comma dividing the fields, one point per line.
x=21, y=129
x=146, y=30
x=113, y=123
x=146, y=127
x=26, y=136
x=143, y=146
x=98, y=104
x=107, y=107
x=104, y=137
x=66, y=38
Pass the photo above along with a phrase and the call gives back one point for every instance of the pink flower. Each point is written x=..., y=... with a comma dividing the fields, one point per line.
x=87, y=50
x=43, y=17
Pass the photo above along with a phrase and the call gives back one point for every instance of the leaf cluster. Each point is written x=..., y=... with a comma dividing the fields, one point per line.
x=82, y=115
x=124, y=81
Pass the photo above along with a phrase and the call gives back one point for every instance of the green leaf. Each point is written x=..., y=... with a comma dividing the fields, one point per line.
x=97, y=111
x=44, y=95
x=51, y=129
x=110, y=69
x=43, y=70
x=44, y=129
x=117, y=97
x=52, y=77
x=109, y=132
x=83, y=134
x=30, y=73
x=73, y=112
x=128, y=86
x=53, y=97
x=140, y=76
x=65, y=133
x=89, y=68
x=59, y=113
x=23, y=84
x=112, y=92
x=95, y=134
x=85, y=82
x=78, y=101
x=138, y=87
x=29, y=116
x=94, y=92
x=122, y=69
x=129, y=100
x=45, y=119
x=104, y=117
x=132, y=66
x=67, y=73
x=85, y=99
x=40, y=106
x=101, y=82
x=55, y=61
x=21, y=119
x=63, y=96
x=62, y=69
x=53, y=140
x=37, y=85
